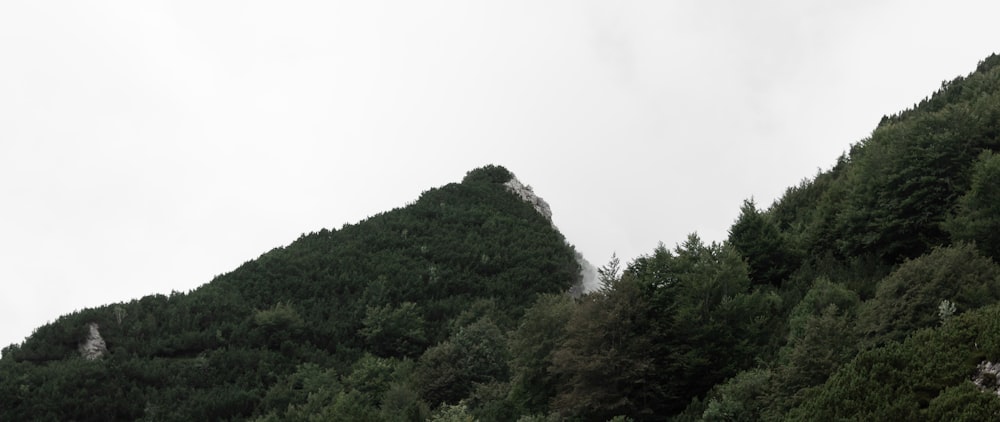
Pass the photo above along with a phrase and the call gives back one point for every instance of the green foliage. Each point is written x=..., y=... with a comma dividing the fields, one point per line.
x=305, y=392
x=348, y=407
x=817, y=300
x=452, y=413
x=370, y=377
x=918, y=379
x=910, y=174
x=387, y=287
x=963, y=403
x=532, y=346
x=402, y=403
x=605, y=362
x=276, y=325
x=490, y=402
x=978, y=216
x=823, y=342
x=308, y=382
x=448, y=372
x=671, y=327
x=890, y=196
x=757, y=238
x=488, y=174
x=845, y=300
x=741, y=398
x=394, y=331
x=908, y=299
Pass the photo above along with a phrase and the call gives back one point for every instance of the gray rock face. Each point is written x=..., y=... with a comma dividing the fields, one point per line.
x=528, y=195
x=588, y=274
x=987, y=377
x=93, y=347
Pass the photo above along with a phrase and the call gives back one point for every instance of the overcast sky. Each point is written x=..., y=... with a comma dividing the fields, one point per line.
x=149, y=146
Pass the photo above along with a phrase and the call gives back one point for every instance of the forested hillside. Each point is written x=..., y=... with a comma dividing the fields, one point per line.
x=867, y=292
x=885, y=265
x=385, y=317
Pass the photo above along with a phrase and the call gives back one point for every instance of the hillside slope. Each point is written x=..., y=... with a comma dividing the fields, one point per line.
x=868, y=292
x=388, y=287
x=874, y=259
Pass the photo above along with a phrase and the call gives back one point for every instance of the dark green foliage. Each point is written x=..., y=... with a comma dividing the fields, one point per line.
x=978, y=217
x=673, y=325
x=908, y=299
x=394, y=330
x=452, y=413
x=821, y=338
x=758, y=239
x=910, y=189
x=853, y=297
x=807, y=214
x=371, y=377
x=532, y=347
x=476, y=354
x=488, y=174
x=607, y=360
x=490, y=402
x=817, y=300
x=401, y=402
x=308, y=382
x=391, y=285
x=911, y=380
x=742, y=398
x=890, y=196
x=348, y=406
x=963, y=403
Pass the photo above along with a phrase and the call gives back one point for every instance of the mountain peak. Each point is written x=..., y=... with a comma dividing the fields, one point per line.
x=492, y=173
x=528, y=195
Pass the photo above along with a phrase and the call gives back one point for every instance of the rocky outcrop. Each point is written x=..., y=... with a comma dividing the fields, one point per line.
x=588, y=274
x=528, y=195
x=93, y=347
x=987, y=377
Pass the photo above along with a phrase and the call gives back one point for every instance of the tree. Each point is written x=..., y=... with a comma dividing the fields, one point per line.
x=605, y=366
x=758, y=239
x=741, y=398
x=924, y=377
x=394, y=331
x=370, y=377
x=532, y=346
x=277, y=324
x=978, y=216
x=608, y=274
x=671, y=327
x=448, y=372
x=306, y=391
x=963, y=403
x=908, y=299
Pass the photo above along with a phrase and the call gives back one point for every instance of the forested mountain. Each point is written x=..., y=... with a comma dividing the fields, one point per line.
x=407, y=308
x=867, y=292
x=885, y=266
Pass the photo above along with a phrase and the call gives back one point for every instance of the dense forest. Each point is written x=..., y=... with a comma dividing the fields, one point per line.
x=869, y=291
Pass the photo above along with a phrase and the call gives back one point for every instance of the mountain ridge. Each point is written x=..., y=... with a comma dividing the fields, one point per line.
x=870, y=291
x=387, y=285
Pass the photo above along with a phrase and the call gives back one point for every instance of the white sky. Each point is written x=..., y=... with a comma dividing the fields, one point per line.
x=148, y=146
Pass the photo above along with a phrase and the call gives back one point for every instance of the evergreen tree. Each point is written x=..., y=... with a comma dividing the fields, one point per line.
x=978, y=217
x=760, y=242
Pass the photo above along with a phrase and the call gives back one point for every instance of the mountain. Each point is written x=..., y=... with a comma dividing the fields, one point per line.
x=886, y=266
x=470, y=254
x=869, y=291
